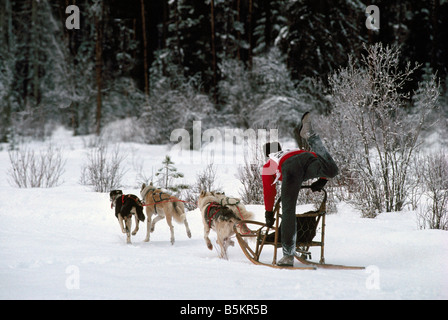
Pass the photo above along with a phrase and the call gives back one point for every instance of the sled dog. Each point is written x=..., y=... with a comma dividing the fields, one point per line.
x=163, y=205
x=219, y=218
x=234, y=204
x=126, y=205
x=238, y=209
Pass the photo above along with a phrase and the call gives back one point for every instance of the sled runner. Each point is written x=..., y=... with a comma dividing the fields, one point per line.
x=258, y=235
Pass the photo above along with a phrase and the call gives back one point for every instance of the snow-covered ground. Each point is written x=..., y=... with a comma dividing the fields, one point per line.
x=65, y=243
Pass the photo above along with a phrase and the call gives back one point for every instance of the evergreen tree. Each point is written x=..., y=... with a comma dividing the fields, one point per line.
x=36, y=68
x=321, y=35
x=167, y=173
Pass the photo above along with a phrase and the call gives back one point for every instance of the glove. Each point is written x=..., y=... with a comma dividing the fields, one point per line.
x=318, y=185
x=269, y=215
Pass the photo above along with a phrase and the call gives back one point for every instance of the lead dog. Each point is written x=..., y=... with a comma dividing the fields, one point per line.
x=163, y=205
x=219, y=218
x=126, y=206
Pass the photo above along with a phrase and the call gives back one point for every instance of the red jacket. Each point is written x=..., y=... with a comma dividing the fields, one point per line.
x=272, y=172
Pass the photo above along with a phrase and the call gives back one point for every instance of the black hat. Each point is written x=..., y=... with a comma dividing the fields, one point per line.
x=271, y=147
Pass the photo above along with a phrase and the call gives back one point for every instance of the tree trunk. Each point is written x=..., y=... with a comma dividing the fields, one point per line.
x=249, y=33
x=238, y=33
x=212, y=22
x=166, y=17
x=176, y=18
x=268, y=25
x=434, y=31
x=98, y=67
x=34, y=58
x=145, y=48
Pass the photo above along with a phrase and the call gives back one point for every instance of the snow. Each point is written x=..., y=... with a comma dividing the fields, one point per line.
x=65, y=243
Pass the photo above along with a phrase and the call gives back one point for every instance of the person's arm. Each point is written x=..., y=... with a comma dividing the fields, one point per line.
x=269, y=190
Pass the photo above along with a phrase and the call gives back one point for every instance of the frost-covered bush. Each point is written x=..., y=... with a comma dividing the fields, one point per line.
x=175, y=101
x=249, y=175
x=372, y=126
x=124, y=130
x=102, y=170
x=433, y=209
x=30, y=169
x=205, y=181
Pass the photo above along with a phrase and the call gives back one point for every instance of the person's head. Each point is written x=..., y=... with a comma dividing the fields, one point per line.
x=271, y=147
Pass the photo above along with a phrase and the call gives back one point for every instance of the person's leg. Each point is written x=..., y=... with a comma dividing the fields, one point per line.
x=289, y=193
x=325, y=166
x=293, y=170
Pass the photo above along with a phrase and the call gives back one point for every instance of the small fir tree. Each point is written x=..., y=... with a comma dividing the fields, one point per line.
x=167, y=173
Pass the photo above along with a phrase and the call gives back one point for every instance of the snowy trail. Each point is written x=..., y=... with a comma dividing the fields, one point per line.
x=41, y=247
x=65, y=243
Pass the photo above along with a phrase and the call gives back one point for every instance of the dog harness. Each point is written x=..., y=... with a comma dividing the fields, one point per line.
x=160, y=199
x=133, y=197
x=212, y=209
x=226, y=201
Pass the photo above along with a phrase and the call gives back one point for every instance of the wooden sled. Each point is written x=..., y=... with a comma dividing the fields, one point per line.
x=252, y=236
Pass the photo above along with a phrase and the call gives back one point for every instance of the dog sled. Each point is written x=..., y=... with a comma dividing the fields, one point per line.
x=253, y=236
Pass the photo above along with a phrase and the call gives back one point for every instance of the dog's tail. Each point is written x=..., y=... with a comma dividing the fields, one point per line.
x=246, y=215
x=179, y=212
x=140, y=214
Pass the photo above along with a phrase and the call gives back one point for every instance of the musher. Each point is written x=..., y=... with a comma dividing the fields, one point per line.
x=292, y=168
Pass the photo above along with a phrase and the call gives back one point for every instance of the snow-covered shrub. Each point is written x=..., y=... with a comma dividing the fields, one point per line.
x=175, y=101
x=30, y=169
x=433, y=209
x=277, y=102
x=249, y=175
x=123, y=130
x=102, y=170
x=205, y=181
x=371, y=124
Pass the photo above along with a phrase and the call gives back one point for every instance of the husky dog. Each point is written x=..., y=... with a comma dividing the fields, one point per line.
x=163, y=205
x=126, y=206
x=238, y=209
x=219, y=218
x=234, y=204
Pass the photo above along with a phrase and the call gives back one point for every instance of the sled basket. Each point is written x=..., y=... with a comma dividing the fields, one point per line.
x=307, y=225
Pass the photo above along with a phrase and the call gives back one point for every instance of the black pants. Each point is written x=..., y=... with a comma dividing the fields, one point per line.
x=295, y=171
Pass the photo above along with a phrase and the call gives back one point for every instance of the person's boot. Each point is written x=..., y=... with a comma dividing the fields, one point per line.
x=286, y=261
x=306, y=129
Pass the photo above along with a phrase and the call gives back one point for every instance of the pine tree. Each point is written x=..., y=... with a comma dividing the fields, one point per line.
x=36, y=65
x=321, y=34
x=167, y=173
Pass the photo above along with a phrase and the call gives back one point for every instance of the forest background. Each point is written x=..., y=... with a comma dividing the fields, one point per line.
x=166, y=63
